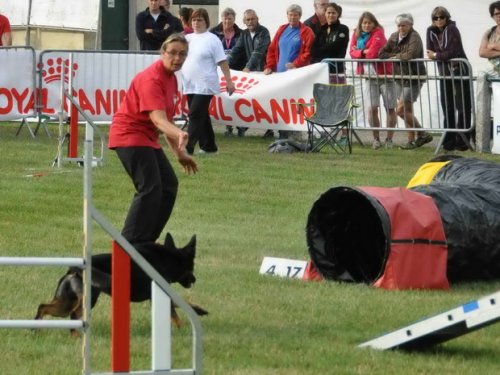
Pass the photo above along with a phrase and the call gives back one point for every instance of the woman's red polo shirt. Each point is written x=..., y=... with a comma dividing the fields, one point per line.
x=152, y=89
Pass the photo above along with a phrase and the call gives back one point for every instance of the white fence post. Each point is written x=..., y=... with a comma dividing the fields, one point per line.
x=160, y=329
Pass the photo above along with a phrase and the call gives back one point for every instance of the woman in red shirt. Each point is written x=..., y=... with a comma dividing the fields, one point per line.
x=147, y=111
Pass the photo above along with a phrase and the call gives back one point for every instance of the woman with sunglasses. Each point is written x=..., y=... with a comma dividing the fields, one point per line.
x=443, y=44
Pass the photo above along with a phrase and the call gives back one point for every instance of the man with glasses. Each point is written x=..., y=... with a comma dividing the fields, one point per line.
x=318, y=18
x=251, y=48
x=250, y=51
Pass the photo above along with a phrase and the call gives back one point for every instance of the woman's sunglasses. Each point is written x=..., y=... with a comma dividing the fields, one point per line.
x=438, y=18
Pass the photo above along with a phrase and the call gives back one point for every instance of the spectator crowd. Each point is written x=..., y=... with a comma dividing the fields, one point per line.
x=298, y=43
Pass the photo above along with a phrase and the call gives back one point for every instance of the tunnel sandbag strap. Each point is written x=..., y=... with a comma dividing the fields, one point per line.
x=418, y=241
x=425, y=174
x=418, y=250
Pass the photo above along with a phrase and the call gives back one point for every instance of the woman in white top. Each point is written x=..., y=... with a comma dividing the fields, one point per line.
x=201, y=81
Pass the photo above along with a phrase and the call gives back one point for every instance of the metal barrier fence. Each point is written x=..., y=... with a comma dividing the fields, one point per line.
x=100, y=78
x=18, y=84
x=442, y=93
x=486, y=125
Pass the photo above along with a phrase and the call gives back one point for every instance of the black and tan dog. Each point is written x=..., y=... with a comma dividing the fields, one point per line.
x=175, y=265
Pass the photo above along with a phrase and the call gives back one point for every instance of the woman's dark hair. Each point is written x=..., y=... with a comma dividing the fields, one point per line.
x=440, y=11
x=201, y=13
x=185, y=14
x=493, y=6
x=369, y=16
x=337, y=7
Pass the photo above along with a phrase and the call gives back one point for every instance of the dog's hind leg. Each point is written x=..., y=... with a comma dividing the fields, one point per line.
x=76, y=314
x=57, y=307
x=174, y=316
x=46, y=309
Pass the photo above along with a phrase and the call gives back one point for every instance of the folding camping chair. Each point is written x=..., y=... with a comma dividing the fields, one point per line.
x=332, y=118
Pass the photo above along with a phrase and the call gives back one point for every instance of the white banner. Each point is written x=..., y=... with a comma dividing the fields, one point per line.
x=496, y=117
x=268, y=101
x=100, y=80
x=17, y=83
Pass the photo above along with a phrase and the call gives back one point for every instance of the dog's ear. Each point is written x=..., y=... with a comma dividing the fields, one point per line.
x=191, y=246
x=169, y=242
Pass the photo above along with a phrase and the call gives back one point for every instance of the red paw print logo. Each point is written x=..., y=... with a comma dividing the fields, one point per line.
x=52, y=71
x=241, y=84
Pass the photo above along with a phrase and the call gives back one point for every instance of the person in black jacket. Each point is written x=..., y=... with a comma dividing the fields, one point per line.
x=154, y=25
x=249, y=52
x=318, y=19
x=227, y=30
x=331, y=41
x=444, y=43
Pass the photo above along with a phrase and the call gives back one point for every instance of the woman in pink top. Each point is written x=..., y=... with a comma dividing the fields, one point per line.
x=366, y=42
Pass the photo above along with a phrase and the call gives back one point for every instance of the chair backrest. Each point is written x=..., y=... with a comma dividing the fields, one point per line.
x=333, y=103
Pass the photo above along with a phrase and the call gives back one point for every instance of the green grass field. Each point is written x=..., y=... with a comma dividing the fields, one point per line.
x=243, y=204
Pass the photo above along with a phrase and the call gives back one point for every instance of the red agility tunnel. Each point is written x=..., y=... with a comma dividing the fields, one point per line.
x=423, y=237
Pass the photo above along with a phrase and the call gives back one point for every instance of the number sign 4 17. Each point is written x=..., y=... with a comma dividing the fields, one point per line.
x=283, y=267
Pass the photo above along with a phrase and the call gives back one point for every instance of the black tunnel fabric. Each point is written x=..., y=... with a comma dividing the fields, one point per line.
x=471, y=220
x=343, y=219
x=469, y=171
x=466, y=193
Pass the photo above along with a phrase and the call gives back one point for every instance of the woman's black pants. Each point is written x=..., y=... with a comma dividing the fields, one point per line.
x=200, y=126
x=456, y=105
x=156, y=185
